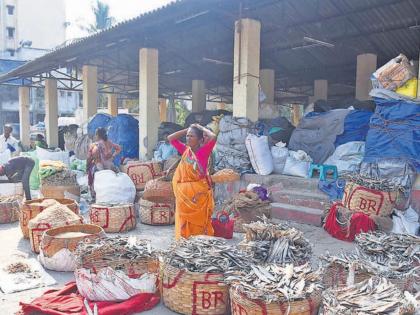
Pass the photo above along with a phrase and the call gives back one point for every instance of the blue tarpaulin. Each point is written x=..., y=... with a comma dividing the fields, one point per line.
x=356, y=126
x=394, y=132
x=99, y=120
x=124, y=130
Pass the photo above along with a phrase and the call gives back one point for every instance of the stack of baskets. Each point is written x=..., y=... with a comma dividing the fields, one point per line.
x=63, y=241
x=156, y=213
x=31, y=208
x=141, y=172
x=60, y=192
x=9, y=209
x=110, y=269
x=113, y=218
x=54, y=216
x=159, y=190
x=187, y=292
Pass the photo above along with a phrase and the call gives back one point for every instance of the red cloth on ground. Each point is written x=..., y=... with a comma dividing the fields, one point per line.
x=68, y=301
x=359, y=223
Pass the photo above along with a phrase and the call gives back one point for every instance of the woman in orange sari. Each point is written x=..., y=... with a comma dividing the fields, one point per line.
x=191, y=182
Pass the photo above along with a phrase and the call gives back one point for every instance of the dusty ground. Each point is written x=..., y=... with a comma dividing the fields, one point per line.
x=12, y=244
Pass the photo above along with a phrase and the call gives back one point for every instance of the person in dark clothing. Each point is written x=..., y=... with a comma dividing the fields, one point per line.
x=19, y=169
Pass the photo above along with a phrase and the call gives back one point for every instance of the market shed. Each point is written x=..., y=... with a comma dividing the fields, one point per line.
x=296, y=50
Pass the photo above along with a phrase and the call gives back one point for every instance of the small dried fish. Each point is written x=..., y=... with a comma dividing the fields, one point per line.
x=276, y=243
x=206, y=254
x=373, y=296
x=17, y=267
x=275, y=283
x=394, y=247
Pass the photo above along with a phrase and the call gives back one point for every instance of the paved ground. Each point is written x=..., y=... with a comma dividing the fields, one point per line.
x=13, y=244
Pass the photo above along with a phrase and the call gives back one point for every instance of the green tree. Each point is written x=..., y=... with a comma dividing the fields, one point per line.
x=181, y=113
x=103, y=19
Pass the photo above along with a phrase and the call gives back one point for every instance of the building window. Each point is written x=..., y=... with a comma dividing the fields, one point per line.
x=10, y=32
x=62, y=93
x=11, y=52
x=69, y=94
x=10, y=9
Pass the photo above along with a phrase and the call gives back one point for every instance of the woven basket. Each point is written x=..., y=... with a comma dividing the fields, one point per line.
x=113, y=219
x=336, y=275
x=358, y=198
x=36, y=231
x=9, y=211
x=141, y=172
x=60, y=192
x=241, y=305
x=51, y=244
x=157, y=213
x=225, y=176
x=159, y=191
x=188, y=292
x=29, y=211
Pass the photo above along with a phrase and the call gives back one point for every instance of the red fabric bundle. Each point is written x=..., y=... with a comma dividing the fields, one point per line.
x=67, y=300
x=359, y=223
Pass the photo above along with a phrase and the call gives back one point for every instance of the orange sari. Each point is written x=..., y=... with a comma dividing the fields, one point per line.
x=193, y=197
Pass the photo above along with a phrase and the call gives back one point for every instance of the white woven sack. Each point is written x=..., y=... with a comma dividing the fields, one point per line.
x=114, y=188
x=259, y=154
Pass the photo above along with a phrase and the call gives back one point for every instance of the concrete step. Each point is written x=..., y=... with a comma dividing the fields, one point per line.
x=304, y=199
x=282, y=181
x=288, y=212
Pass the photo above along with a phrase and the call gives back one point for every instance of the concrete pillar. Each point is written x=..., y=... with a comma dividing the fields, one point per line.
x=246, y=69
x=51, y=112
x=148, y=102
x=366, y=65
x=267, y=85
x=90, y=91
x=112, y=104
x=198, y=96
x=24, y=103
x=321, y=90
x=163, y=110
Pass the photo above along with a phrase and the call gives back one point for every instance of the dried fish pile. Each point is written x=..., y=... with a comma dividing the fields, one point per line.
x=276, y=243
x=17, y=267
x=62, y=178
x=274, y=283
x=206, y=254
x=373, y=296
x=114, y=252
x=361, y=262
x=393, y=247
x=9, y=199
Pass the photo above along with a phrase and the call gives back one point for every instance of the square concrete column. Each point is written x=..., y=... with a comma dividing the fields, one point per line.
x=148, y=102
x=198, y=96
x=163, y=110
x=24, y=104
x=267, y=84
x=112, y=104
x=366, y=65
x=246, y=69
x=51, y=112
x=90, y=91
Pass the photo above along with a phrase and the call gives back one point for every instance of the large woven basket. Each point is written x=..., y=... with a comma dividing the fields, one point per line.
x=191, y=293
x=157, y=213
x=113, y=219
x=141, y=172
x=159, y=191
x=241, y=305
x=335, y=275
x=29, y=211
x=358, y=198
x=60, y=192
x=36, y=231
x=9, y=211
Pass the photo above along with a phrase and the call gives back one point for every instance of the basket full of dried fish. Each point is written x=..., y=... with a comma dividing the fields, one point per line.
x=9, y=208
x=357, y=267
x=193, y=272
x=373, y=296
x=112, y=269
x=275, y=243
x=273, y=289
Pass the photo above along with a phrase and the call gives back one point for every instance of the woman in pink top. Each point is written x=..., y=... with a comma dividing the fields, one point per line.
x=191, y=182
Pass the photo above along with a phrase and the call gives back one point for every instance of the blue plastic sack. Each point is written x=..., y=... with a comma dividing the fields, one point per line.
x=124, y=130
x=356, y=126
x=99, y=120
x=333, y=188
x=394, y=132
